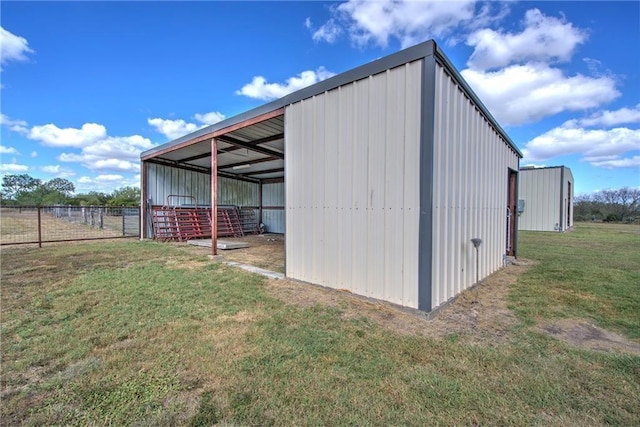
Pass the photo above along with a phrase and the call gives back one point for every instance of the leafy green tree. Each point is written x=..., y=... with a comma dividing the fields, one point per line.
x=125, y=196
x=60, y=185
x=611, y=205
x=92, y=198
x=25, y=190
x=15, y=186
x=621, y=204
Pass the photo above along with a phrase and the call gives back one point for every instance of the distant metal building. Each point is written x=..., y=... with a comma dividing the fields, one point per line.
x=546, y=199
x=379, y=177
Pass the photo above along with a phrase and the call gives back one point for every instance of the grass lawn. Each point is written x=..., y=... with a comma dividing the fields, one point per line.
x=141, y=333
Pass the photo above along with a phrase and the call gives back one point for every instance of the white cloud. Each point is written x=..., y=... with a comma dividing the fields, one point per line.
x=111, y=154
x=19, y=126
x=53, y=136
x=98, y=151
x=51, y=169
x=7, y=150
x=12, y=47
x=106, y=182
x=174, y=129
x=101, y=178
x=598, y=147
x=58, y=171
x=209, y=118
x=328, y=32
x=34, y=154
x=544, y=39
x=526, y=93
x=612, y=118
x=13, y=168
x=408, y=21
x=631, y=162
x=260, y=89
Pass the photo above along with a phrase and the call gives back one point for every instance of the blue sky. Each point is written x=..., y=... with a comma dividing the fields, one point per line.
x=87, y=86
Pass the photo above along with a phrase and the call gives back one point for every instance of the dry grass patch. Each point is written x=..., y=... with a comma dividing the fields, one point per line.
x=123, y=334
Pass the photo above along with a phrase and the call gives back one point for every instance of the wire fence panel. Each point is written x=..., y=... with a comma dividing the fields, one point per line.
x=24, y=224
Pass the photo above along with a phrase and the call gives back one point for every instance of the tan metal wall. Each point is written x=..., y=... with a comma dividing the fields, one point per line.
x=471, y=165
x=352, y=193
x=273, y=196
x=545, y=194
x=164, y=180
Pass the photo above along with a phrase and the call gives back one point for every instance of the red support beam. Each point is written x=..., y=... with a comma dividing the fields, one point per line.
x=219, y=132
x=214, y=197
x=143, y=201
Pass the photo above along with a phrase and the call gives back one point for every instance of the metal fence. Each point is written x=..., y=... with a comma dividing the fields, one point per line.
x=46, y=224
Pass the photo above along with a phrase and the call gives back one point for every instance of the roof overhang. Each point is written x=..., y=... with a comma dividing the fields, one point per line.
x=252, y=149
x=251, y=144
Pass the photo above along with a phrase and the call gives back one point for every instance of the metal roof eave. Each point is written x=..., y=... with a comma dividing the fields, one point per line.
x=396, y=59
x=462, y=82
x=404, y=56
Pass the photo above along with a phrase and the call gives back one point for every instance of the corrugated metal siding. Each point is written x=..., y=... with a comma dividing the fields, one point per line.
x=471, y=167
x=352, y=189
x=163, y=181
x=239, y=193
x=540, y=190
x=273, y=196
x=273, y=220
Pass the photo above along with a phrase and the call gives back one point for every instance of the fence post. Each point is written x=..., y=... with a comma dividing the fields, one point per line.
x=39, y=227
x=100, y=218
x=123, y=214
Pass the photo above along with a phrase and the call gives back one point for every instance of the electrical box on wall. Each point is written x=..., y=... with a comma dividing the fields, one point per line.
x=520, y=206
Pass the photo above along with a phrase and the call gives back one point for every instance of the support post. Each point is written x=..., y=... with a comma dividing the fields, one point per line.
x=144, y=206
x=39, y=227
x=260, y=203
x=123, y=224
x=214, y=197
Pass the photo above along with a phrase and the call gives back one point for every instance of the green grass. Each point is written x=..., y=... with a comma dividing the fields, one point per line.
x=139, y=333
x=592, y=272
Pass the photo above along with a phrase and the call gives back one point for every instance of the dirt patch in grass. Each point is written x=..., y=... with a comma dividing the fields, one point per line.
x=479, y=314
x=264, y=251
x=580, y=333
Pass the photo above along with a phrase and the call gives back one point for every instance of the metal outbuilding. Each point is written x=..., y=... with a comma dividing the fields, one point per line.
x=379, y=178
x=546, y=199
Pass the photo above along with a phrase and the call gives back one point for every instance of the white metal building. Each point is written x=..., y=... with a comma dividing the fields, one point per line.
x=379, y=178
x=546, y=199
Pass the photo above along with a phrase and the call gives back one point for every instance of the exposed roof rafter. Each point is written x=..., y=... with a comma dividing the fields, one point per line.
x=250, y=146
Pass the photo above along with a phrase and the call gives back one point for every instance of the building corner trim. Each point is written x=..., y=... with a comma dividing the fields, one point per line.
x=562, y=216
x=425, y=237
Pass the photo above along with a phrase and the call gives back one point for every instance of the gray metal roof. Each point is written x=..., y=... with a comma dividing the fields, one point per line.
x=380, y=65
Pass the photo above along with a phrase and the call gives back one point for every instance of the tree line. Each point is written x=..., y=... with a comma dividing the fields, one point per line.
x=25, y=190
x=622, y=205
